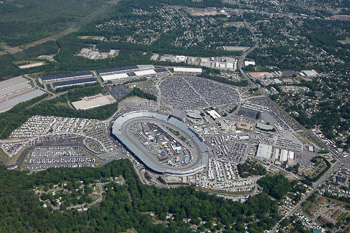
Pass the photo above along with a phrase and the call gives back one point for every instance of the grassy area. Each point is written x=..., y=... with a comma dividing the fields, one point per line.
x=329, y=212
x=342, y=216
x=132, y=230
x=9, y=160
x=177, y=134
x=38, y=83
x=223, y=192
x=34, y=75
x=306, y=139
x=25, y=62
x=319, y=167
x=305, y=206
x=54, y=16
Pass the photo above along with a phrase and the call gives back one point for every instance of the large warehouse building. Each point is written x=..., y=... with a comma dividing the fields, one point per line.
x=74, y=82
x=64, y=77
x=120, y=132
x=16, y=90
x=121, y=73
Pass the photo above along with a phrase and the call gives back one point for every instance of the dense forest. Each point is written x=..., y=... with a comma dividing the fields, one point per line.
x=250, y=168
x=276, y=186
x=125, y=206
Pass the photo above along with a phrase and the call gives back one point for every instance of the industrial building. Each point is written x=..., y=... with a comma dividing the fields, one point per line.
x=264, y=151
x=64, y=77
x=74, y=82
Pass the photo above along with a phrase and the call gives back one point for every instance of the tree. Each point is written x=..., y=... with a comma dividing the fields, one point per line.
x=276, y=186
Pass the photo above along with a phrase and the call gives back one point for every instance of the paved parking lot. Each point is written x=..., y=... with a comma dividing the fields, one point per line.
x=191, y=92
x=58, y=156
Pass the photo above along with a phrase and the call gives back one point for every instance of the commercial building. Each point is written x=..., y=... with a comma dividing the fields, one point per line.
x=249, y=63
x=264, y=151
x=264, y=127
x=194, y=114
x=214, y=114
x=276, y=154
x=244, y=126
x=64, y=77
x=284, y=155
x=291, y=155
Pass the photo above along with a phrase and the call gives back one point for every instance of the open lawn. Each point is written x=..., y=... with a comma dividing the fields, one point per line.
x=24, y=21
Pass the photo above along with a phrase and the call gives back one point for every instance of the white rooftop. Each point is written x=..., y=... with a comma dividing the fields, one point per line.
x=264, y=151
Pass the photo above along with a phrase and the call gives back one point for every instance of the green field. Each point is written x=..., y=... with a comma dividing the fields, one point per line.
x=24, y=21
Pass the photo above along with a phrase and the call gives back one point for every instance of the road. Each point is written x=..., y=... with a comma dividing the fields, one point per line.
x=245, y=53
x=316, y=185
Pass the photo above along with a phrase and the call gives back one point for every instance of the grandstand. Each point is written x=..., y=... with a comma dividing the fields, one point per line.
x=119, y=130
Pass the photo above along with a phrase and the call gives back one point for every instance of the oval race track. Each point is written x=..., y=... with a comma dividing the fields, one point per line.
x=199, y=150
